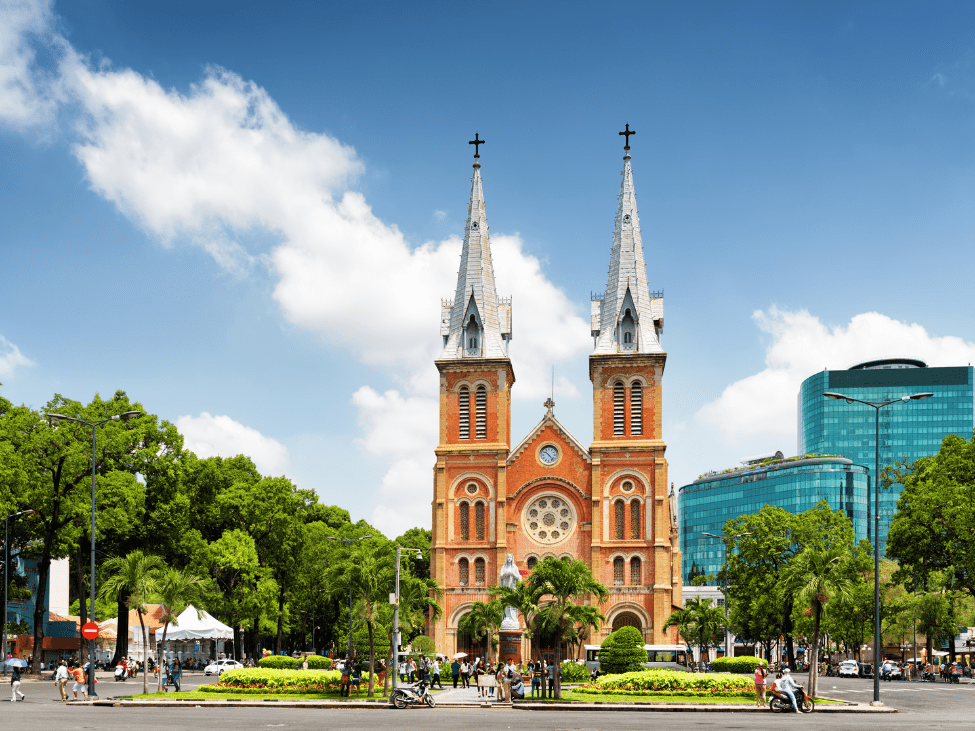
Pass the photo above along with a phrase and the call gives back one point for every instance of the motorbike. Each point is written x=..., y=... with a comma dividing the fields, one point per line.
x=120, y=674
x=779, y=702
x=412, y=695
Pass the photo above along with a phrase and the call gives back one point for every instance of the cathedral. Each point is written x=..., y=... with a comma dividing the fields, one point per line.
x=548, y=495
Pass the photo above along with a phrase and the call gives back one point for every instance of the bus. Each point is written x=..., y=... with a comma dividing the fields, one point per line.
x=671, y=657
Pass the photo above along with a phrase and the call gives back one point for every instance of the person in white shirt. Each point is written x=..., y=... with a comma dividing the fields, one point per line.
x=61, y=680
x=435, y=673
x=787, y=685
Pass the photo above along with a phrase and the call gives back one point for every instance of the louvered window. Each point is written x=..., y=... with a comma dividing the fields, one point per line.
x=481, y=412
x=619, y=411
x=464, y=572
x=620, y=509
x=465, y=413
x=479, y=572
x=465, y=522
x=618, y=567
x=636, y=408
x=636, y=575
x=479, y=521
x=531, y=563
x=635, y=519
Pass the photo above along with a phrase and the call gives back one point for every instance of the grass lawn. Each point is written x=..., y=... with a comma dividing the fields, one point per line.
x=197, y=695
x=575, y=695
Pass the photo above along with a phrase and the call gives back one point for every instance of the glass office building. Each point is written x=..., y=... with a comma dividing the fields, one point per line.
x=908, y=430
x=794, y=484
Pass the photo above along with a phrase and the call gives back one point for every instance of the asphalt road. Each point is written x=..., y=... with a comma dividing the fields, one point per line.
x=921, y=705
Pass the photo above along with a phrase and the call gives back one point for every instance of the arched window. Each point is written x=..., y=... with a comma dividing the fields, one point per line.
x=627, y=337
x=479, y=521
x=465, y=412
x=618, y=565
x=636, y=572
x=464, y=572
x=531, y=563
x=481, y=403
x=627, y=619
x=619, y=410
x=472, y=334
x=465, y=522
x=620, y=508
x=478, y=572
x=636, y=408
x=627, y=328
x=635, y=510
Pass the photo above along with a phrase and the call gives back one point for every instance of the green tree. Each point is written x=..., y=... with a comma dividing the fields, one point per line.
x=238, y=580
x=622, y=651
x=419, y=538
x=176, y=589
x=136, y=576
x=815, y=577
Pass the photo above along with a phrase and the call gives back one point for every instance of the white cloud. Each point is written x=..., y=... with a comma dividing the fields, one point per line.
x=765, y=403
x=405, y=496
x=440, y=215
x=222, y=162
x=28, y=93
x=210, y=436
x=11, y=357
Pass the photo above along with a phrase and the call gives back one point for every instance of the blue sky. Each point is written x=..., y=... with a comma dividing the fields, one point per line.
x=245, y=215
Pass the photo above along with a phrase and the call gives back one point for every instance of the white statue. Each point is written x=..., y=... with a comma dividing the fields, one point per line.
x=509, y=577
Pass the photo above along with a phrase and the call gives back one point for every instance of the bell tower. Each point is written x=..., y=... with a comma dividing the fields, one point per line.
x=469, y=519
x=631, y=509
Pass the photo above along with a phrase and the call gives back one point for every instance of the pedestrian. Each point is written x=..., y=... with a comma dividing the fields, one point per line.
x=499, y=681
x=535, y=668
x=455, y=671
x=489, y=673
x=163, y=675
x=356, y=679
x=507, y=673
x=435, y=673
x=15, y=686
x=344, y=681
x=380, y=672
x=465, y=674
x=760, y=686
x=61, y=680
x=176, y=673
x=79, y=681
x=304, y=664
x=551, y=679
x=477, y=672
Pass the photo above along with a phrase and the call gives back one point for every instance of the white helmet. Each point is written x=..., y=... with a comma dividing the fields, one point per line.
x=786, y=671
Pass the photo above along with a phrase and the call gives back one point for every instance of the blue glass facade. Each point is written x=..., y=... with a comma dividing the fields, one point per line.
x=908, y=430
x=795, y=485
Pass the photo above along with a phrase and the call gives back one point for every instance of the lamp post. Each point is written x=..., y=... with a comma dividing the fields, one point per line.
x=349, y=542
x=724, y=590
x=876, y=406
x=93, y=424
x=394, y=600
x=6, y=577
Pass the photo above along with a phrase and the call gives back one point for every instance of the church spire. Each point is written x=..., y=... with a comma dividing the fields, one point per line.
x=628, y=319
x=476, y=324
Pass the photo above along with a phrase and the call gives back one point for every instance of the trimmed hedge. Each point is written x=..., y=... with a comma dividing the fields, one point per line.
x=744, y=665
x=622, y=651
x=573, y=672
x=276, y=680
x=277, y=662
x=675, y=682
x=317, y=662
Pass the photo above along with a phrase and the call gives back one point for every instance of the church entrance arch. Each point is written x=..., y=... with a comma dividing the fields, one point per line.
x=627, y=619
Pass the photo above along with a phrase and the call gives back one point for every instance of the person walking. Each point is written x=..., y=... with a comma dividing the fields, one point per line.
x=455, y=671
x=477, y=672
x=344, y=680
x=535, y=668
x=551, y=679
x=15, y=686
x=435, y=673
x=176, y=673
x=61, y=680
x=760, y=686
x=79, y=681
x=465, y=674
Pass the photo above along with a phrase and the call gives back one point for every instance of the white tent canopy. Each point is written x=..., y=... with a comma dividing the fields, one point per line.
x=191, y=625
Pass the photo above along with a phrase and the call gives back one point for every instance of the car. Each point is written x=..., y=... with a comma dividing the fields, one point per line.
x=849, y=668
x=866, y=670
x=219, y=666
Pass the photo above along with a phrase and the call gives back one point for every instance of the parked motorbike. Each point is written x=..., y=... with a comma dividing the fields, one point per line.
x=412, y=695
x=779, y=702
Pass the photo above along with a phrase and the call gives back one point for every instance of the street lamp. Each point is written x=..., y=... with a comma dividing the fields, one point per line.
x=876, y=406
x=724, y=592
x=6, y=577
x=394, y=600
x=93, y=424
x=349, y=542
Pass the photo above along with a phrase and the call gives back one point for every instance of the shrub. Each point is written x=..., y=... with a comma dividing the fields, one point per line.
x=573, y=672
x=317, y=662
x=674, y=682
x=277, y=662
x=744, y=665
x=622, y=651
x=276, y=680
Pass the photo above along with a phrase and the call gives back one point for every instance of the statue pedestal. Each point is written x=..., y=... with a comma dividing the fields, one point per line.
x=509, y=646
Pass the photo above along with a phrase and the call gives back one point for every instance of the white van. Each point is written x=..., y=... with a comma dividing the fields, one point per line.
x=672, y=657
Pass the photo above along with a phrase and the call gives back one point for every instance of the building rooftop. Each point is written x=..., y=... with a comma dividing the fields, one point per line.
x=888, y=364
x=769, y=464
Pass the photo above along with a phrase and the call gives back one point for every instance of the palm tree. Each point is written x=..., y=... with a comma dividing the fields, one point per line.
x=135, y=577
x=525, y=598
x=816, y=576
x=682, y=619
x=698, y=623
x=483, y=619
x=176, y=590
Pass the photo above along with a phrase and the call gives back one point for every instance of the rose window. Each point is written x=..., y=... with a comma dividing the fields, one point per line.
x=549, y=519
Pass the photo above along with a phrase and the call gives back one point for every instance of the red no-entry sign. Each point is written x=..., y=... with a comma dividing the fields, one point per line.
x=90, y=631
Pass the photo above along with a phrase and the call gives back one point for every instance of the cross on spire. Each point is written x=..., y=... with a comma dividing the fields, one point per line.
x=627, y=132
x=477, y=143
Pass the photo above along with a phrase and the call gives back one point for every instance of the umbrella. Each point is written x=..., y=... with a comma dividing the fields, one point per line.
x=15, y=662
x=459, y=655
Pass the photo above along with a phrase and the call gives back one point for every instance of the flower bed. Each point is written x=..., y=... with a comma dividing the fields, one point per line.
x=263, y=680
x=672, y=682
